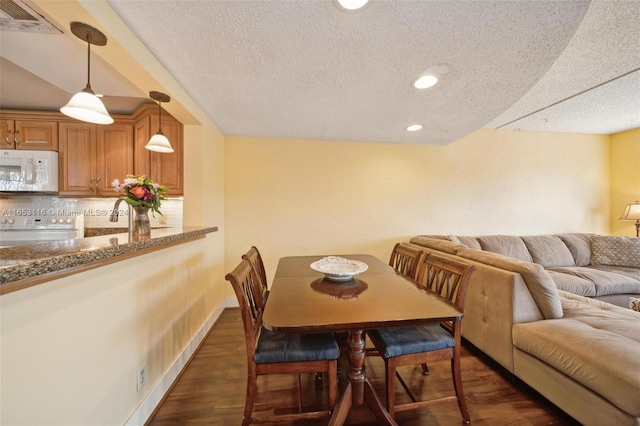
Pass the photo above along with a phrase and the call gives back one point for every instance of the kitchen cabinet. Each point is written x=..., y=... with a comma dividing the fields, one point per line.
x=91, y=156
x=29, y=134
x=163, y=168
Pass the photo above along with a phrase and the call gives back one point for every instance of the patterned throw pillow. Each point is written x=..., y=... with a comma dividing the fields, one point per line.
x=634, y=304
x=615, y=251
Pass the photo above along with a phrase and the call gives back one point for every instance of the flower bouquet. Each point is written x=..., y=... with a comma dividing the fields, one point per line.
x=140, y=191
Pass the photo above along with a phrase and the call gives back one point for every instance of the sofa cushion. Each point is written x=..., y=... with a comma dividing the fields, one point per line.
x=572, y=283
x=538, y=281
x=548, y=251
x=579, y=245
x=470, y=242
x=605, y=282
x=506, y=245
x=614, y=250
x=596, y=344
x=622, y=270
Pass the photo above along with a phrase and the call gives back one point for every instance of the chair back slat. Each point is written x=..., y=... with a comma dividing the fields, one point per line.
x=254, y=257
x=247, y=288
x=447, y=277
x=406, y=259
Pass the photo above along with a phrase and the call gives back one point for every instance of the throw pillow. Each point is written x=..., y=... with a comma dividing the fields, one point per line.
x=615, y=251
x=634, y=304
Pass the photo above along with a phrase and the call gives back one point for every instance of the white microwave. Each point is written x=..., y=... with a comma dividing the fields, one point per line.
x=28, y=171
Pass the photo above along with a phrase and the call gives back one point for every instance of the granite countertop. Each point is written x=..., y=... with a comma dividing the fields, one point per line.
x=36, y=260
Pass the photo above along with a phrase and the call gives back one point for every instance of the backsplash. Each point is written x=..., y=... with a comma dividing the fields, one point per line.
x=95, y=211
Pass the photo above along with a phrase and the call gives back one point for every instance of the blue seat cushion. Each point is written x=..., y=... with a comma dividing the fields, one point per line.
x=283, y=347
x=411, y=340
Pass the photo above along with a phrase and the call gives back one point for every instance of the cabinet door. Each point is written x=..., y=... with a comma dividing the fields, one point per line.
x=142, y=159
x=77, y=159
x=114, y=156
x=167, y=168
x=38, y=135
x=7, y=134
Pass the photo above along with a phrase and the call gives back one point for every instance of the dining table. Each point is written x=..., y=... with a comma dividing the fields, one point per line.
x=303, y=300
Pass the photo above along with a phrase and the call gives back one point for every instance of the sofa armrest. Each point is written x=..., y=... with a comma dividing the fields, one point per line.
x=496, y=299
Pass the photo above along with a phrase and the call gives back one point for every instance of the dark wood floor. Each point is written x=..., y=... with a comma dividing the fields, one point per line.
x=211, y=390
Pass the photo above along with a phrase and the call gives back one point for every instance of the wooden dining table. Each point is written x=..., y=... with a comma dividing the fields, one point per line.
x=302, y=300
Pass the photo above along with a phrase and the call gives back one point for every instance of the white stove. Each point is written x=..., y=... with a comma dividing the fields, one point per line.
x=31, y=220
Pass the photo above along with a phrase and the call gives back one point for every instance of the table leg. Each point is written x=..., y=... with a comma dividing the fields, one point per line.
x=358, y=390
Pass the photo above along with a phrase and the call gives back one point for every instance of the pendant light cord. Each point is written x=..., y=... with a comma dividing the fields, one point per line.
x=89, y=61
x=159, y=117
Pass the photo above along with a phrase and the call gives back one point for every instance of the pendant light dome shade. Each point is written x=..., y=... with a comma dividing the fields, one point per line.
x=159, y=142
x=85, y=105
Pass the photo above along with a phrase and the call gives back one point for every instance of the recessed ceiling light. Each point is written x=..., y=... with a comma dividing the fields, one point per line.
x=414, y=127
x=351, y=5
x=425, y=82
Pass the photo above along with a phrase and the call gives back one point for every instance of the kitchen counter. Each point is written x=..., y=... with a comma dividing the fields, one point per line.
x=25, y=266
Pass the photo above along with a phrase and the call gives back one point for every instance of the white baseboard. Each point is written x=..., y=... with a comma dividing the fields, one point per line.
x=146, y=408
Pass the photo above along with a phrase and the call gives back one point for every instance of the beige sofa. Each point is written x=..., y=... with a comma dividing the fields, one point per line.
x=581, y=353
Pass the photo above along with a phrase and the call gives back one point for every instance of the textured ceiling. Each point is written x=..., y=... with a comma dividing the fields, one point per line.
x=304, y=69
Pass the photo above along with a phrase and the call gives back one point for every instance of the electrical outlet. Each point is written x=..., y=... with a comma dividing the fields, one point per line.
x=141, y=377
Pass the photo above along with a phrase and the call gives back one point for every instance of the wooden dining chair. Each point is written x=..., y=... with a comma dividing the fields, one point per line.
x=270, y=352
x=421, y=344
x=405, y=259
x=255, y=258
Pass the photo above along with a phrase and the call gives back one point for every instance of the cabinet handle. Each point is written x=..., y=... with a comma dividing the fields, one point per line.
x=91, y=184
x=15, y=137
x=8, y=137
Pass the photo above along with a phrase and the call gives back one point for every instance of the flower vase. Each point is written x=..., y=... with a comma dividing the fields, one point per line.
x=141, y=224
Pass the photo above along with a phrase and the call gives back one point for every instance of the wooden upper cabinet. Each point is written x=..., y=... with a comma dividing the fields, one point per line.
x=114, y=153
x=77, y=159
x=29, y=134
x=7, y=129
x=165, y=169
x=91, y=156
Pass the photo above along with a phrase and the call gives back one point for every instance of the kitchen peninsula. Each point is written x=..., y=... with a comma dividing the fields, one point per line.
x=95, y=330
x=25, y=266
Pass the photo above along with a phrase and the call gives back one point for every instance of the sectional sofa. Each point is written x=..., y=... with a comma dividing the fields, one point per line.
x=540, y=307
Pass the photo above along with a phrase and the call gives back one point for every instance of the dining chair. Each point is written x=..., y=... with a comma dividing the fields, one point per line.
x=421, y=344
x=405, y=259
x=270, y=352
x=255, y=258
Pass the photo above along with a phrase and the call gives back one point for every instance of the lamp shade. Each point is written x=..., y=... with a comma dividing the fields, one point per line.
x=86, y=106
x=159, y=143
x=631, y=212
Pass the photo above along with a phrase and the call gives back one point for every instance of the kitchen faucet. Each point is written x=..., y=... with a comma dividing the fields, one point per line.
x=114, y=214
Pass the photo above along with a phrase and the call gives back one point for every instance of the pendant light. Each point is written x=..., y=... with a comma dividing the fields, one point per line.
x=159, y=142
x=85, y=105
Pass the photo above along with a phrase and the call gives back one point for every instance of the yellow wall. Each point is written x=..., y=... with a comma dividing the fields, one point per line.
x=625, y=178
x=71, y=347
x=329, y=197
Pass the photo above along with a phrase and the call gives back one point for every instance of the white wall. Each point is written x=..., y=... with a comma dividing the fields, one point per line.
x=293, y=197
